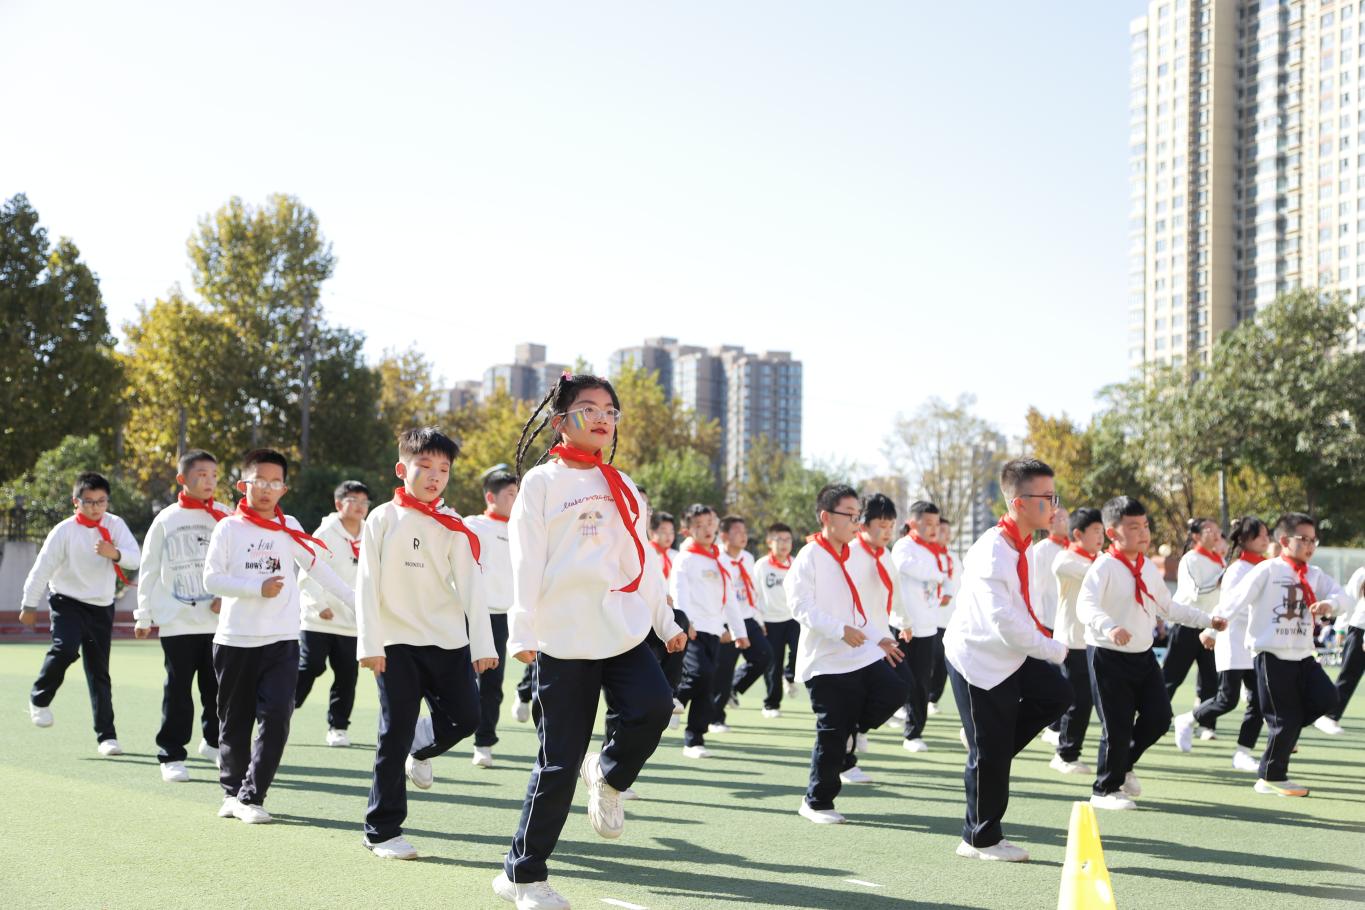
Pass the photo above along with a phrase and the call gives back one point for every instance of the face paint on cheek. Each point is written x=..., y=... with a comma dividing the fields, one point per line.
x=578, y=421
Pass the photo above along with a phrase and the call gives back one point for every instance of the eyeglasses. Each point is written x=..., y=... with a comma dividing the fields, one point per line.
x=274, y=486
x=1053, y=499
x=592, y=414
x=352, y=501
x=1310, y=541
x=94, y=502
x=851, y=516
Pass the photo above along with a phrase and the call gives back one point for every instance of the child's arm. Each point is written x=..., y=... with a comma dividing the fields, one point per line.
x=1090, y=607
x=1240, y=596
x=1070, y=569
x=655, y=593
x=369, y=620
x=469, y=588
x=1331, y=595
x=734, y=616
x=50, y=558
x=149, y=584
x=529, y=544
x=805, y=607
x=317, y=604
x=1013, y=625
x=129, y=556
x=1186, y=614
x=218, y=578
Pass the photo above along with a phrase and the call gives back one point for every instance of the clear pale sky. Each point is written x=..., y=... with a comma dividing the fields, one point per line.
x=909, y=196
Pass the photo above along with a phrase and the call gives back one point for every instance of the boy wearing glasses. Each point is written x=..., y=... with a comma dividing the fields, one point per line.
x=76, y=569
x=1283, y=596
x=1002, y=662
x=329, y=630
x=251, y=566
x=1121, y=597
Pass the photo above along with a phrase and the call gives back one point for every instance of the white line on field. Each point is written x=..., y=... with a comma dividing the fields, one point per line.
x=626, y=904
x=859, y=881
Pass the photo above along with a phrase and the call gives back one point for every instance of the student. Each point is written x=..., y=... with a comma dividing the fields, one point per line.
x=731, y=683
x=250, y=566
x=1068, y=568
x=329, y=629
x=660, y=557
x=846, y=656
x=1001, y=660
x=1352, y=657
x=1120, y=599
x=1282, y=598
x=583, y=603
x=424, y=631
x=1045, y=553
x=701, y=585
x=1197, y=584
x=782, y=630
x=171, y=595
x=922, y=571
x=76, y=569
x=1250, y=538
x=495, y=554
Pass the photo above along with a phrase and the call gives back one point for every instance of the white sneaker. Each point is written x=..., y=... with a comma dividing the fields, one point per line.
x=173, y=772
x=718, y=728
x=629, y=793
x=678, y=708
x=914, y=745
x=791, y=689
x=521, y=711
x=900, y=714
x=696, y=752
x=1207, y=733
x=419, y=772
x=109, y=747
x=1324, y=723
x=1243, y=760
x=1062, y=766
x=1131, y=785
x=41, y=717
x=483, y=757
x=1184, y=732
x=674, y=722
x=210, y=753
x=229, y=807
x=251, y=815
x=1051, y=737
x=1112, y=801
x=338, y=738
x=962, y=738
x=1004, y=852
x=854, y=775
x=820, y=816
x=932, y=709
x=772, y=713
x=604, y=801
x=530, y=896
x=393, y=848
x=860, y=743
x=1280, y=788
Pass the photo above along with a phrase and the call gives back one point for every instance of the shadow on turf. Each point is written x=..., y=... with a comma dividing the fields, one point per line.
x=1343, y=893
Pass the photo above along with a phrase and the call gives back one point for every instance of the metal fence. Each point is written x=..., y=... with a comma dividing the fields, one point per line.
x=23, y=522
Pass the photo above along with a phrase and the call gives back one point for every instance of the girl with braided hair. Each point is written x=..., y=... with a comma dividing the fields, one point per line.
x=582, y=606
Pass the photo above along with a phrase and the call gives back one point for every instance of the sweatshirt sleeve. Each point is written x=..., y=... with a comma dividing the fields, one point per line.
x=129, y=554
x=919, y=569
x=1184, y=613
x=1089, y=605
x=1072, y=569
x=1013, y=625
x=469, y=586
x=529, y=546
x=50, y=557
x=368, y=618
x=1332, y=592
x=734, y=616
x=1242, y=594
x=318, y=597
x=149, y=580
x=218, y=578
x=800, y=588
x=680, y=585
x=653, y=589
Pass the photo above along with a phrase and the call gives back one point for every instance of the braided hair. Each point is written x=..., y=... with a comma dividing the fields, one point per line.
x=556, y=403
x=1243, y=529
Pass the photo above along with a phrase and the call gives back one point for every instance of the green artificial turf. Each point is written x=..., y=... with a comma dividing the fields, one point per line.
x=85, y=831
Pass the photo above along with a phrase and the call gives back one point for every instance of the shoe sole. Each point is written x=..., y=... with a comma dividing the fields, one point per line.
x=1270, y=791
x=398, y=856
x=973, y=853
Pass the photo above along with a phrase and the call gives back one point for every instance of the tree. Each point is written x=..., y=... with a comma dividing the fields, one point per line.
x=1066, y=449
x=408, y=389
x=677, y=480
x=57, y=372
x=947, y=453
x=487, y=432
x=652, y=427
x=45, y=491
x=778, y=487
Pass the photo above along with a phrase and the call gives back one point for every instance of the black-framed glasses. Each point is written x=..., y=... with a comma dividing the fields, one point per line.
x=1052, y=498
x=94, y=502
x=852, y=516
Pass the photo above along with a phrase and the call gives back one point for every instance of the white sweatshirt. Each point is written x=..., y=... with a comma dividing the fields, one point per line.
x=241, y=557
x=1107, y=602
x=991, y=633
x=1278, y=621
x=1356, y=588
x=772, y=596
x=496, y=557
x=920, y=580
x=822, y=603
x=341, y=558
x=952, y=582
x=1197, y=581
x=1068, y=571
x=418, y=584
x=67, y=563
x=170, y=590
x=862, y=568
x=1230, y=650
x=736, y=589
x=571, y=554
x=701, y=593
x=1044, y=555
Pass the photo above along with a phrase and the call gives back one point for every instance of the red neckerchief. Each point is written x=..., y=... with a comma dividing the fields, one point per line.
x=939, y=552
x=1014, y=536
x=1301, y=570
x=948, y=556
x=432, y=509
x=1139, y=586
x=841, y=558
x=1081, y=551
x=202, y=505
x=626, y=505
x=278, y=524
x=663, y=554
x=876, y=555
x=1209, y=554
x=744, y=577
x=1254, y=558
x=355, y=548
x=772, y=561
x=712, y=554
x=104, y=532
x=1059, y=541
x=489, y=513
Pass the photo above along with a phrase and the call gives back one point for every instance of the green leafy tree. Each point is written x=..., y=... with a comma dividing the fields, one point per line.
x=44, y=492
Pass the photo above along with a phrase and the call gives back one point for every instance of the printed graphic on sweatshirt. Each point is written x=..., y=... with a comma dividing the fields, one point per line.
x=185, y=550
x=261, y=557
x=1292, y=610
x=588, y=522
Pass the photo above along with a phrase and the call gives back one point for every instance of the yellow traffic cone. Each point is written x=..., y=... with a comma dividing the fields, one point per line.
x=1085, y=880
